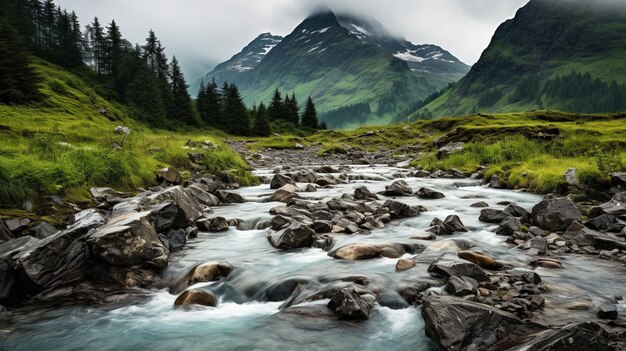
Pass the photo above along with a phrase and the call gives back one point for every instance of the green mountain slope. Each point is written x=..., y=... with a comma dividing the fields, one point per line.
x=342, y=62
x=66, y=143
x=556, y=54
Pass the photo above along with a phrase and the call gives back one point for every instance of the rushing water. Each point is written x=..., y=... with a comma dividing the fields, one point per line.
x=243, y=321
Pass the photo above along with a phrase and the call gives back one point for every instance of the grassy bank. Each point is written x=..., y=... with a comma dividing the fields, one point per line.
x=528, y=150
x=64, y=145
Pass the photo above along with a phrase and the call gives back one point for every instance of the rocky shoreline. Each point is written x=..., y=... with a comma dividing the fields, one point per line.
x=470, y=301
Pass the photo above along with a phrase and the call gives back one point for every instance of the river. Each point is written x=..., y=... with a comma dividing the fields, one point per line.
x=242, y=321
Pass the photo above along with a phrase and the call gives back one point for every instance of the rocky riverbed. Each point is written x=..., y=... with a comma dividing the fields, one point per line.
x=324, y=257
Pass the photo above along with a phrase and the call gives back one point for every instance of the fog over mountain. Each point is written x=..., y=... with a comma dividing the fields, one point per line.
x=204, y=33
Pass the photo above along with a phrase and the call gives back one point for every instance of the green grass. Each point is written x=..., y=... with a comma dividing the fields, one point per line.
x=63, y=145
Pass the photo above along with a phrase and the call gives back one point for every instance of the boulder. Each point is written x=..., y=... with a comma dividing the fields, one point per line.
x=574, y=337
x=228, y=197
x=448, y=265
x=363, y=193
x=454, y=222
x=321, y=226
x=352, y=252
x=169, y=175
x=17, y=225
x=128, y=240
x=605, y=222
x=449, y=149
x=455, y=324
x=509, y=225
x=588, y=237
x=200, y=193
x=213, y=225
x=461, y=286
x=42, y=230
x=481, y=260
x=195, y=297
x=177, y=239
x=202, y=273
x=438, y=227
x=348, y=304
x=607, y=312
x=426, y=193
x=295, y=236
x=515, y=210
x=285, y=194
x=403, y=264
x=555, y=214
x=480, y=204
x=279, y=180
x=538, y=243
x=399, y=210
x=104, y=194
x=615, y=207
x=5, y=233
x=491, y=215
x=398, y=188
x=171, y=208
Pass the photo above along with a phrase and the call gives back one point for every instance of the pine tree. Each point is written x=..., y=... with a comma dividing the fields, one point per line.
x=113, y=49
x=276, y=107
x=235, y=117
x=17, y=79
x=213, y=104
x=182, y=107
x=98, y=46
x=309, y=117
x=261, y=122
x=292, y=111
x=151, y=51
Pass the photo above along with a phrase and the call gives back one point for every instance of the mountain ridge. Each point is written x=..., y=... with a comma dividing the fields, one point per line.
x=342, y=60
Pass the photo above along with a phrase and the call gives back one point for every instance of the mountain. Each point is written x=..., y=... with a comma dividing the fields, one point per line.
x=567, y=55
x=345, y=61
x=247, y=59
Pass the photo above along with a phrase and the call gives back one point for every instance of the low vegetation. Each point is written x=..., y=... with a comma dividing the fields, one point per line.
x=67, y=144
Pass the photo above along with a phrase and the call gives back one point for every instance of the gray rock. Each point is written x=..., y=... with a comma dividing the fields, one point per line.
x=454, y=324
x=461, y=286
x=169, y=175
x=449, y=149
x=399, y=210
x=605, y=222
x=588, y=237
x=574, y=337
x=17, y=225
x=279, y=180
x=479, y=204
x=426, y=193
x=285, y=194
x=171, y=208
x=508, y=226
x=398, y=188
x=128, y=240
x=491, y=215
x=213, y=225
x=200, y=193
x=321, y=226
x=607, y=312
x=454, y=222
x=228, y=197
x=538, y=243
x=295, y=236
x=348, y=304
x=449, y=265
x=42, y=230
x=177, y=239
x=515, y=210
x=5, y=233
x=438, y=227
x=555, y=214
x=363, y=193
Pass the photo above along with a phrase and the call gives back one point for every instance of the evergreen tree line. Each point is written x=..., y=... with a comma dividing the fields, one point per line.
x=574, y=92
x=139, y=76
x=343, y=115
x=223, y=108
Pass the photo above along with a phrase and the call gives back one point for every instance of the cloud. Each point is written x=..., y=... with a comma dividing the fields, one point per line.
x=202, y=33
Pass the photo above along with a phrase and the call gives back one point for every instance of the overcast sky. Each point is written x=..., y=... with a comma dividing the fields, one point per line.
x=202, y=33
